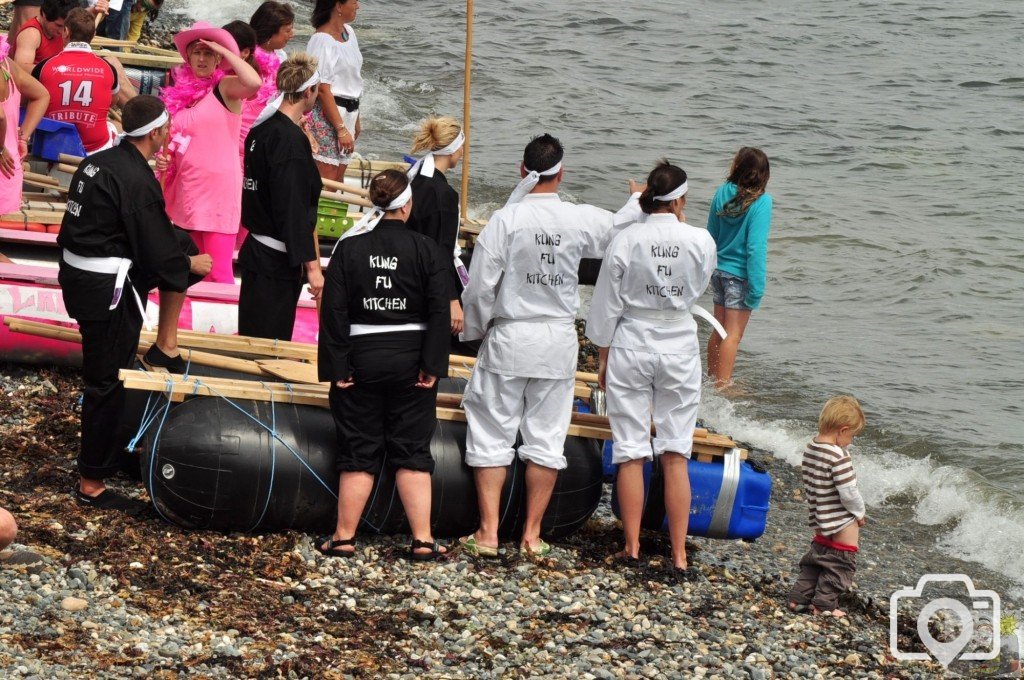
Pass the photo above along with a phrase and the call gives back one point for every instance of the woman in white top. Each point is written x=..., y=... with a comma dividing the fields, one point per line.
x=335, y=119
x=640, y=319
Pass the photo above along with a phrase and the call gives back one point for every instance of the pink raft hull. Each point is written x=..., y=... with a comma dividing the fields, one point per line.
x=32, y=293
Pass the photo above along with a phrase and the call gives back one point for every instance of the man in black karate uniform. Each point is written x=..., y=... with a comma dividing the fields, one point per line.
x=118, y=244
x=279, y=198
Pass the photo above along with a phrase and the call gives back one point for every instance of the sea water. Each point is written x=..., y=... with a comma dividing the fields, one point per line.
x=896, y=259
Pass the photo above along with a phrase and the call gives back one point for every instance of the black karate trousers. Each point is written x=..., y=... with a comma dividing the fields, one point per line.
x=383, y=419
x=107, y=347
x=266, y=305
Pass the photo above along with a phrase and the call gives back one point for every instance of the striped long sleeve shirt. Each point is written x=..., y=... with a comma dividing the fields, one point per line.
x=831, y=487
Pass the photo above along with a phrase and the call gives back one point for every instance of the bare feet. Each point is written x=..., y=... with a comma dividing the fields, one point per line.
x=623, y=557
x=836, y=613
x=91, y=487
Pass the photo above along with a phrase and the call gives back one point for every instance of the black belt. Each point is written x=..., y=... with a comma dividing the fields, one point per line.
x=349, y=104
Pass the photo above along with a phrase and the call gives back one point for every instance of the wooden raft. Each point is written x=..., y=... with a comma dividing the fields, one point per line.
x=281, y=360
x=179, y=388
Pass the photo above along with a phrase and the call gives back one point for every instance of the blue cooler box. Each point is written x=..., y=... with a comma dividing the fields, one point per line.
x=736, y=509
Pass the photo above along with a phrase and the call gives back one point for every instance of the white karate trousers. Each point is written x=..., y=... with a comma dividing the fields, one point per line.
x=497, y=406
x=636, y=382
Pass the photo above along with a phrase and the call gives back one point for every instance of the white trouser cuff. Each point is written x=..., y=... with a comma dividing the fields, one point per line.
x=623, y=452
x=484, y=459
x=548, y=459
x=683, y=447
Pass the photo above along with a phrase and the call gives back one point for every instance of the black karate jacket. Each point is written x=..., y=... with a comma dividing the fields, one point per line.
x=116, y=209
x=280, y=192
x=435, y=213
x=391, y=275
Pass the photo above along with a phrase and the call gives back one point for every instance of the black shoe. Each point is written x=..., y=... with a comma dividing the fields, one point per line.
x=155, y=358
x=111, y=500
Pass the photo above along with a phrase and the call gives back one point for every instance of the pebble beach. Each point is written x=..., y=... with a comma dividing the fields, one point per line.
x=122, y=597
x=112, y=596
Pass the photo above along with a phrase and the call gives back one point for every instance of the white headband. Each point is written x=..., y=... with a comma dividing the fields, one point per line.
x=531, y=180
x=425, y=165
x=678, y=192
x=274, y=104
x=372, y=218
x=149, y=127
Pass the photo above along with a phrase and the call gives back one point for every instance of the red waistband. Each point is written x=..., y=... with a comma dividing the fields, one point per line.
x=828, y=543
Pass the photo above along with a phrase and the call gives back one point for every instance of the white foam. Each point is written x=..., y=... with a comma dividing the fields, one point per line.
x=216, y=13
x=974, y=522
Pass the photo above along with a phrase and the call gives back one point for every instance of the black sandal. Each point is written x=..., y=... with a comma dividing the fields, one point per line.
x=332, y=548
x=437, y=551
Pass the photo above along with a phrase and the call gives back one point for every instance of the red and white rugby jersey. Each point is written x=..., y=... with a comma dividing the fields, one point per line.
x=82, y=87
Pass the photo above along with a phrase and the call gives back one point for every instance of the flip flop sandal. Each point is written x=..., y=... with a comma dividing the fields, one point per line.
x=332, y=549
x=111, y=500
x=437, y=551
x=542, y=550
x=471, y=547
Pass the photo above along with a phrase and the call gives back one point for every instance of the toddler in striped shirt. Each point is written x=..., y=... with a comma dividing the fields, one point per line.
x=836, y=510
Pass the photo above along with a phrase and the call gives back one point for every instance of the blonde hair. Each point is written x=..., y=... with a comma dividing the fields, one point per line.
x=436, y=133
x=293, y=72
x=842, y=411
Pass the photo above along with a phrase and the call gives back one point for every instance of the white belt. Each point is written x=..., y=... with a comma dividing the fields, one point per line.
x=372, y=329
x=677, y=315
x=273, y=243
x=114, y=266
x=501, y=321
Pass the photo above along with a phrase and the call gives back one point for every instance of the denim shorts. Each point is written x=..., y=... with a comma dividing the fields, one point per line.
x=729, y=291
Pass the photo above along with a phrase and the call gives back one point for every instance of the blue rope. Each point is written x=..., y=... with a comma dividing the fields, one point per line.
x=273, y=459
x=156, y=448
x=276, y=436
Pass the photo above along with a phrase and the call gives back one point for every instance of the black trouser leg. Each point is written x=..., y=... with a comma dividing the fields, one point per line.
x=411, y=418
x=107, y=347
x=266, y=306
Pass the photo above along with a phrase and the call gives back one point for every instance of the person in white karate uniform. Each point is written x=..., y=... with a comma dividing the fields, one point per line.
x=641, y=319
x=522, y=299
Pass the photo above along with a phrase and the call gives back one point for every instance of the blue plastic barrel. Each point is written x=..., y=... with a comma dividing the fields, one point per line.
x=740, y=512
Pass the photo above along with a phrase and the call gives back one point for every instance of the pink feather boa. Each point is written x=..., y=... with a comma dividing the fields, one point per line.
x=267, y=63
x=187, y=88
x=5, y=48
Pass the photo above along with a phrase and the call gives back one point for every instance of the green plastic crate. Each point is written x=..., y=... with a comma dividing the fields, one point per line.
x=332, y=218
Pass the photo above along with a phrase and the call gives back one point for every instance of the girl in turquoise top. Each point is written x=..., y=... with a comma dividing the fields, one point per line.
x=739, y=220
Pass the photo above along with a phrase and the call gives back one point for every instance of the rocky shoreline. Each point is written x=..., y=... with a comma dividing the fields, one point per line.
x=123, y=597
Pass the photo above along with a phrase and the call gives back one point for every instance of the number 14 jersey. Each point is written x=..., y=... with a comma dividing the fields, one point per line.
x=82, y=87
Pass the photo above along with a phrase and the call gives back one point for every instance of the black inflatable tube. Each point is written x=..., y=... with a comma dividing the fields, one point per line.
x=213, y=466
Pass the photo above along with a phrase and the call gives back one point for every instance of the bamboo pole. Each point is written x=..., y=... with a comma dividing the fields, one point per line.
x=43, y=179
x=467, y=86
x=351, y=200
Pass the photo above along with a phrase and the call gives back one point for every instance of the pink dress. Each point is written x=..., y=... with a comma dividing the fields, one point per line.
x=10, y=187
x=204, y=184
x=203, y=190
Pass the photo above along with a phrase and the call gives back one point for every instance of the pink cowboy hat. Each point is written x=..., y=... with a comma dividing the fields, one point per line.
x=203, y=30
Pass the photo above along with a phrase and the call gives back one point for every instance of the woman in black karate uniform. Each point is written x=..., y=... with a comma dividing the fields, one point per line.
x=435, y=204
x=383, y=344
